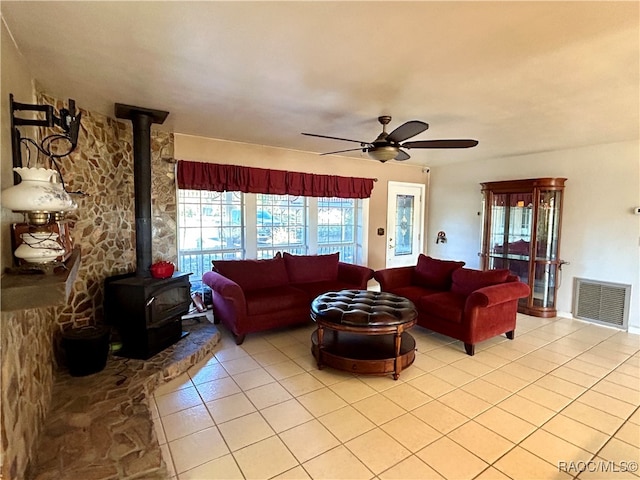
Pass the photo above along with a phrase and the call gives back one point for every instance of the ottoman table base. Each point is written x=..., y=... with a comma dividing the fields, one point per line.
x=363, y=354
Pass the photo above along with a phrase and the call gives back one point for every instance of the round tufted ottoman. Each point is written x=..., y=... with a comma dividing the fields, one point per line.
x=367, y=331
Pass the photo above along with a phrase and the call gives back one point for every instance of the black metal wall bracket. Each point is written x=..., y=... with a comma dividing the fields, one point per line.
x=68, y=121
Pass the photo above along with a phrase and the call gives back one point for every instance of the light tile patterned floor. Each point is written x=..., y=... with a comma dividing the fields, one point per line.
x=563, y=396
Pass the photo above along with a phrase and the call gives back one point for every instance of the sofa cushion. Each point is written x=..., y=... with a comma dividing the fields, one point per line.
x=274, y=299
x=311, y=268
x=445, y=305
x=412, y=292
x=254, y=274
x=466, y=281
x=313, y=289
x=434, y=273
x=519, y=247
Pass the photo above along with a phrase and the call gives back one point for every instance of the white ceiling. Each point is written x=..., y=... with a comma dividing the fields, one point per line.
x=520, y=77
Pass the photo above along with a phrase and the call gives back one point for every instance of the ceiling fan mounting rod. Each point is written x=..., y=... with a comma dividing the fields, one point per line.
x=384, y=120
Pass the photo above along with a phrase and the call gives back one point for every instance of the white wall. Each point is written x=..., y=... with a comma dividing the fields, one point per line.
x=16, y=79
x=600, y=234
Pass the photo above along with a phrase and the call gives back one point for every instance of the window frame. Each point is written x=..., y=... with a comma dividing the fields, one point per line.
x=249, y=248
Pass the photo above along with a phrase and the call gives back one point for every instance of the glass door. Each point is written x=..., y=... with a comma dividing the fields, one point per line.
x=405, y=211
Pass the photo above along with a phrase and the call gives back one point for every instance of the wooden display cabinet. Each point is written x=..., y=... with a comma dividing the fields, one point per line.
x=521, y=232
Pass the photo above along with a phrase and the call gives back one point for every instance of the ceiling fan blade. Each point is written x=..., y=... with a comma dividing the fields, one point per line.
x=461, y=143
x=407, y=130
x=402, y=155
x=342, y=151
x=336, y=138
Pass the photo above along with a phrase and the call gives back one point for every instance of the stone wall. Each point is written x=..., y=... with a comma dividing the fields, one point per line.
x=104, y=223
x=103, y=227
x=26, y=352
x=164, y=208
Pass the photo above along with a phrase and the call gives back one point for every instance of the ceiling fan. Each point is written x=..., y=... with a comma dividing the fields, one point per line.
x=388, y=147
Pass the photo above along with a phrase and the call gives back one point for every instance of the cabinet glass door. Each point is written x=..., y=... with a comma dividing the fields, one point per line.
x=510, y=234
x=522, y=233
x=546, y=261
x=548, y=225
x=544, y=285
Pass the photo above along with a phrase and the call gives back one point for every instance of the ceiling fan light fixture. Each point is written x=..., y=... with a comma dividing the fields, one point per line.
x=388, y=146
x=384, y=153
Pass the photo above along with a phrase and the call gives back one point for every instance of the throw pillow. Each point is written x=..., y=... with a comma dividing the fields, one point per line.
x=312, y=268
x=467, y=281
x=434, y=273
x=254, y=274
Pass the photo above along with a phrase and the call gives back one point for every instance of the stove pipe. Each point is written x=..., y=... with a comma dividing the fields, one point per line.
x=141, y=119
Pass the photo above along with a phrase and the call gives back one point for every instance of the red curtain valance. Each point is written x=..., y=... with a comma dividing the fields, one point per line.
x=234, y=178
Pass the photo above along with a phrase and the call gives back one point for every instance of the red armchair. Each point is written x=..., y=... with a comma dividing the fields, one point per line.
x=465, y=304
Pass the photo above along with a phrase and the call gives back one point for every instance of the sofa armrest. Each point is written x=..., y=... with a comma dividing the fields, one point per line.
x=391, y=278
x=224, y=287
x=497, y=294
x=355, y=274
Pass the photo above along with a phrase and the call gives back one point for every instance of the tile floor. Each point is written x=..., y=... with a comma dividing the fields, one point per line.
x=562, y=397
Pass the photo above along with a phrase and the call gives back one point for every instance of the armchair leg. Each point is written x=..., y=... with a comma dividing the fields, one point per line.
x=511, y=334
x=470, y=349
x=239, y=339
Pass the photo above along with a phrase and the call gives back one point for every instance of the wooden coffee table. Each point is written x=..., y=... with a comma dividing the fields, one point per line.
x=364, y=332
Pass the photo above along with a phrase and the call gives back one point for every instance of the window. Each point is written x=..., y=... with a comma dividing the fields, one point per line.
x=233, y=225
x=337, y=227
x=209, y=228
x=281, y=224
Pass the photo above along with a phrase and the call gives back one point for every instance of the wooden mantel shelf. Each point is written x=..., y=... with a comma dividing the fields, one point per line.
x=25, y=291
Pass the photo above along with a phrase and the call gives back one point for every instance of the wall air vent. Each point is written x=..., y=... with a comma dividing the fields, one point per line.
x=601, y=302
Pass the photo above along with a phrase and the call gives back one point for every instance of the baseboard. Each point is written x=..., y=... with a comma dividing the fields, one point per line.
x=631, y=329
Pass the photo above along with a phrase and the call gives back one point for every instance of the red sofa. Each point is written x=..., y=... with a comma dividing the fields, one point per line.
x=465, y=304
x=255, y=295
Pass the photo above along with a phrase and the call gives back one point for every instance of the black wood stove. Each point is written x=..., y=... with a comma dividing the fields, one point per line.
x=147, y=312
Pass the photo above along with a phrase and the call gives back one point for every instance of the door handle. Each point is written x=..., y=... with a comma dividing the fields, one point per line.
x=391, y=245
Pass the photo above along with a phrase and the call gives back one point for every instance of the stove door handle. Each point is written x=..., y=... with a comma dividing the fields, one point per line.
x=150, y=301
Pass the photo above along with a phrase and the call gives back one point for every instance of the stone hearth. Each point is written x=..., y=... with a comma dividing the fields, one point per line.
x=99, y=430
